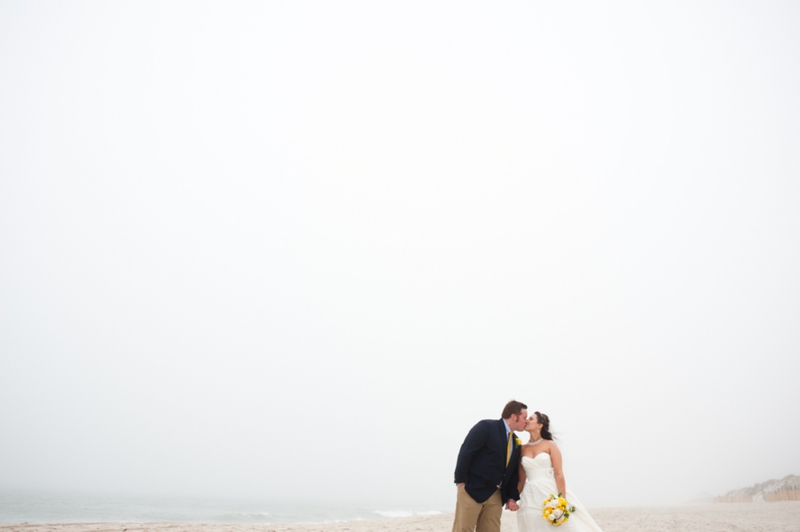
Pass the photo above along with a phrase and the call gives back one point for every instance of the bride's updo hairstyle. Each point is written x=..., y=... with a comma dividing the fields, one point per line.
x=545, y=421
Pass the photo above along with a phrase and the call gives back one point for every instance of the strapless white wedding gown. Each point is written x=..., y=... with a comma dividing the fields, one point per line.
x=539, y=485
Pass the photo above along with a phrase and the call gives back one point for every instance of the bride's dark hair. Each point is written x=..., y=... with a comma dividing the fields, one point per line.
x=545, y=421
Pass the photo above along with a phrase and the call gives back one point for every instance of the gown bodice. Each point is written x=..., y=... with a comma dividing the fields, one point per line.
x=539, y=462
x=538, y=467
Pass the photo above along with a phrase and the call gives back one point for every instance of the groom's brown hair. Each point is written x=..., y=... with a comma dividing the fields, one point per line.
x=513, y=407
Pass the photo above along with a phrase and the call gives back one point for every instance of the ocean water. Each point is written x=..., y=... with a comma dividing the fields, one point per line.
x=18, y=508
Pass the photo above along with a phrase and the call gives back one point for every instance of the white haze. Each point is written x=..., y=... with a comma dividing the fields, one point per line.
x=294, y=250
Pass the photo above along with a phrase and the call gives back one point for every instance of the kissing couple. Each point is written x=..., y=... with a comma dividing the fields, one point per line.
x=495, y=469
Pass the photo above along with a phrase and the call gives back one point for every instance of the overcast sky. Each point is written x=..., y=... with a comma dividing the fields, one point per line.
x=296, y=250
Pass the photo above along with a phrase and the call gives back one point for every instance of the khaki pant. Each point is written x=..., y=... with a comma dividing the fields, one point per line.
x=473, y=516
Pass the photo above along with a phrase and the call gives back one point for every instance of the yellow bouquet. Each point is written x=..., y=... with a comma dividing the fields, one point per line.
x=556, y=510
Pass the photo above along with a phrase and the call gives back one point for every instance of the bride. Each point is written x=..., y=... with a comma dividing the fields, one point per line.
x=540, y=475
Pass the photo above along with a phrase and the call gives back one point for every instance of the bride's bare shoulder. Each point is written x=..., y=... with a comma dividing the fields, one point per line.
x=551, y=446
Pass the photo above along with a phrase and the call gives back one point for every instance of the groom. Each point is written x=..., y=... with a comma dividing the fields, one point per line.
x=486, y=471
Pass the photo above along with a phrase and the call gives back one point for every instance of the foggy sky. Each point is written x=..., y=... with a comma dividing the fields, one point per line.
x=296, y=250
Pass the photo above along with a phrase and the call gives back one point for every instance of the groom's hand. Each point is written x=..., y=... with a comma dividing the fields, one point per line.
x=512, y=505
x=459, y=484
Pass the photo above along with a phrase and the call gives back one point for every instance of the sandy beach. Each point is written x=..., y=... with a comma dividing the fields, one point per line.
x=767, y=517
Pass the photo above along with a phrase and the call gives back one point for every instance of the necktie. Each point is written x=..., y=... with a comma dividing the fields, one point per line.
x=508, y=449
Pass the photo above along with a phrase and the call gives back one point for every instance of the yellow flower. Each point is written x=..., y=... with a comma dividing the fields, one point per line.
x=556, y=510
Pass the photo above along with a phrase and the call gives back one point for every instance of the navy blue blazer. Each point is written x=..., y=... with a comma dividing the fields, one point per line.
x=481, y=464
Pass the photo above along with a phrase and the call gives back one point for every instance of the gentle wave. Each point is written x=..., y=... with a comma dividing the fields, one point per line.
x=242, y=516
x=50, y=508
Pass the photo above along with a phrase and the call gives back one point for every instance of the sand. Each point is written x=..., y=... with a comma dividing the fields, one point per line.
x=766, y=517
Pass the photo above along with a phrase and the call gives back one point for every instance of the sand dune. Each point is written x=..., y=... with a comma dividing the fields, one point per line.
x=783, y=489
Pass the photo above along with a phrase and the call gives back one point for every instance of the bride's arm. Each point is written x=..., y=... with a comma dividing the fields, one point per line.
x=522, y=476
x=558, y=471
